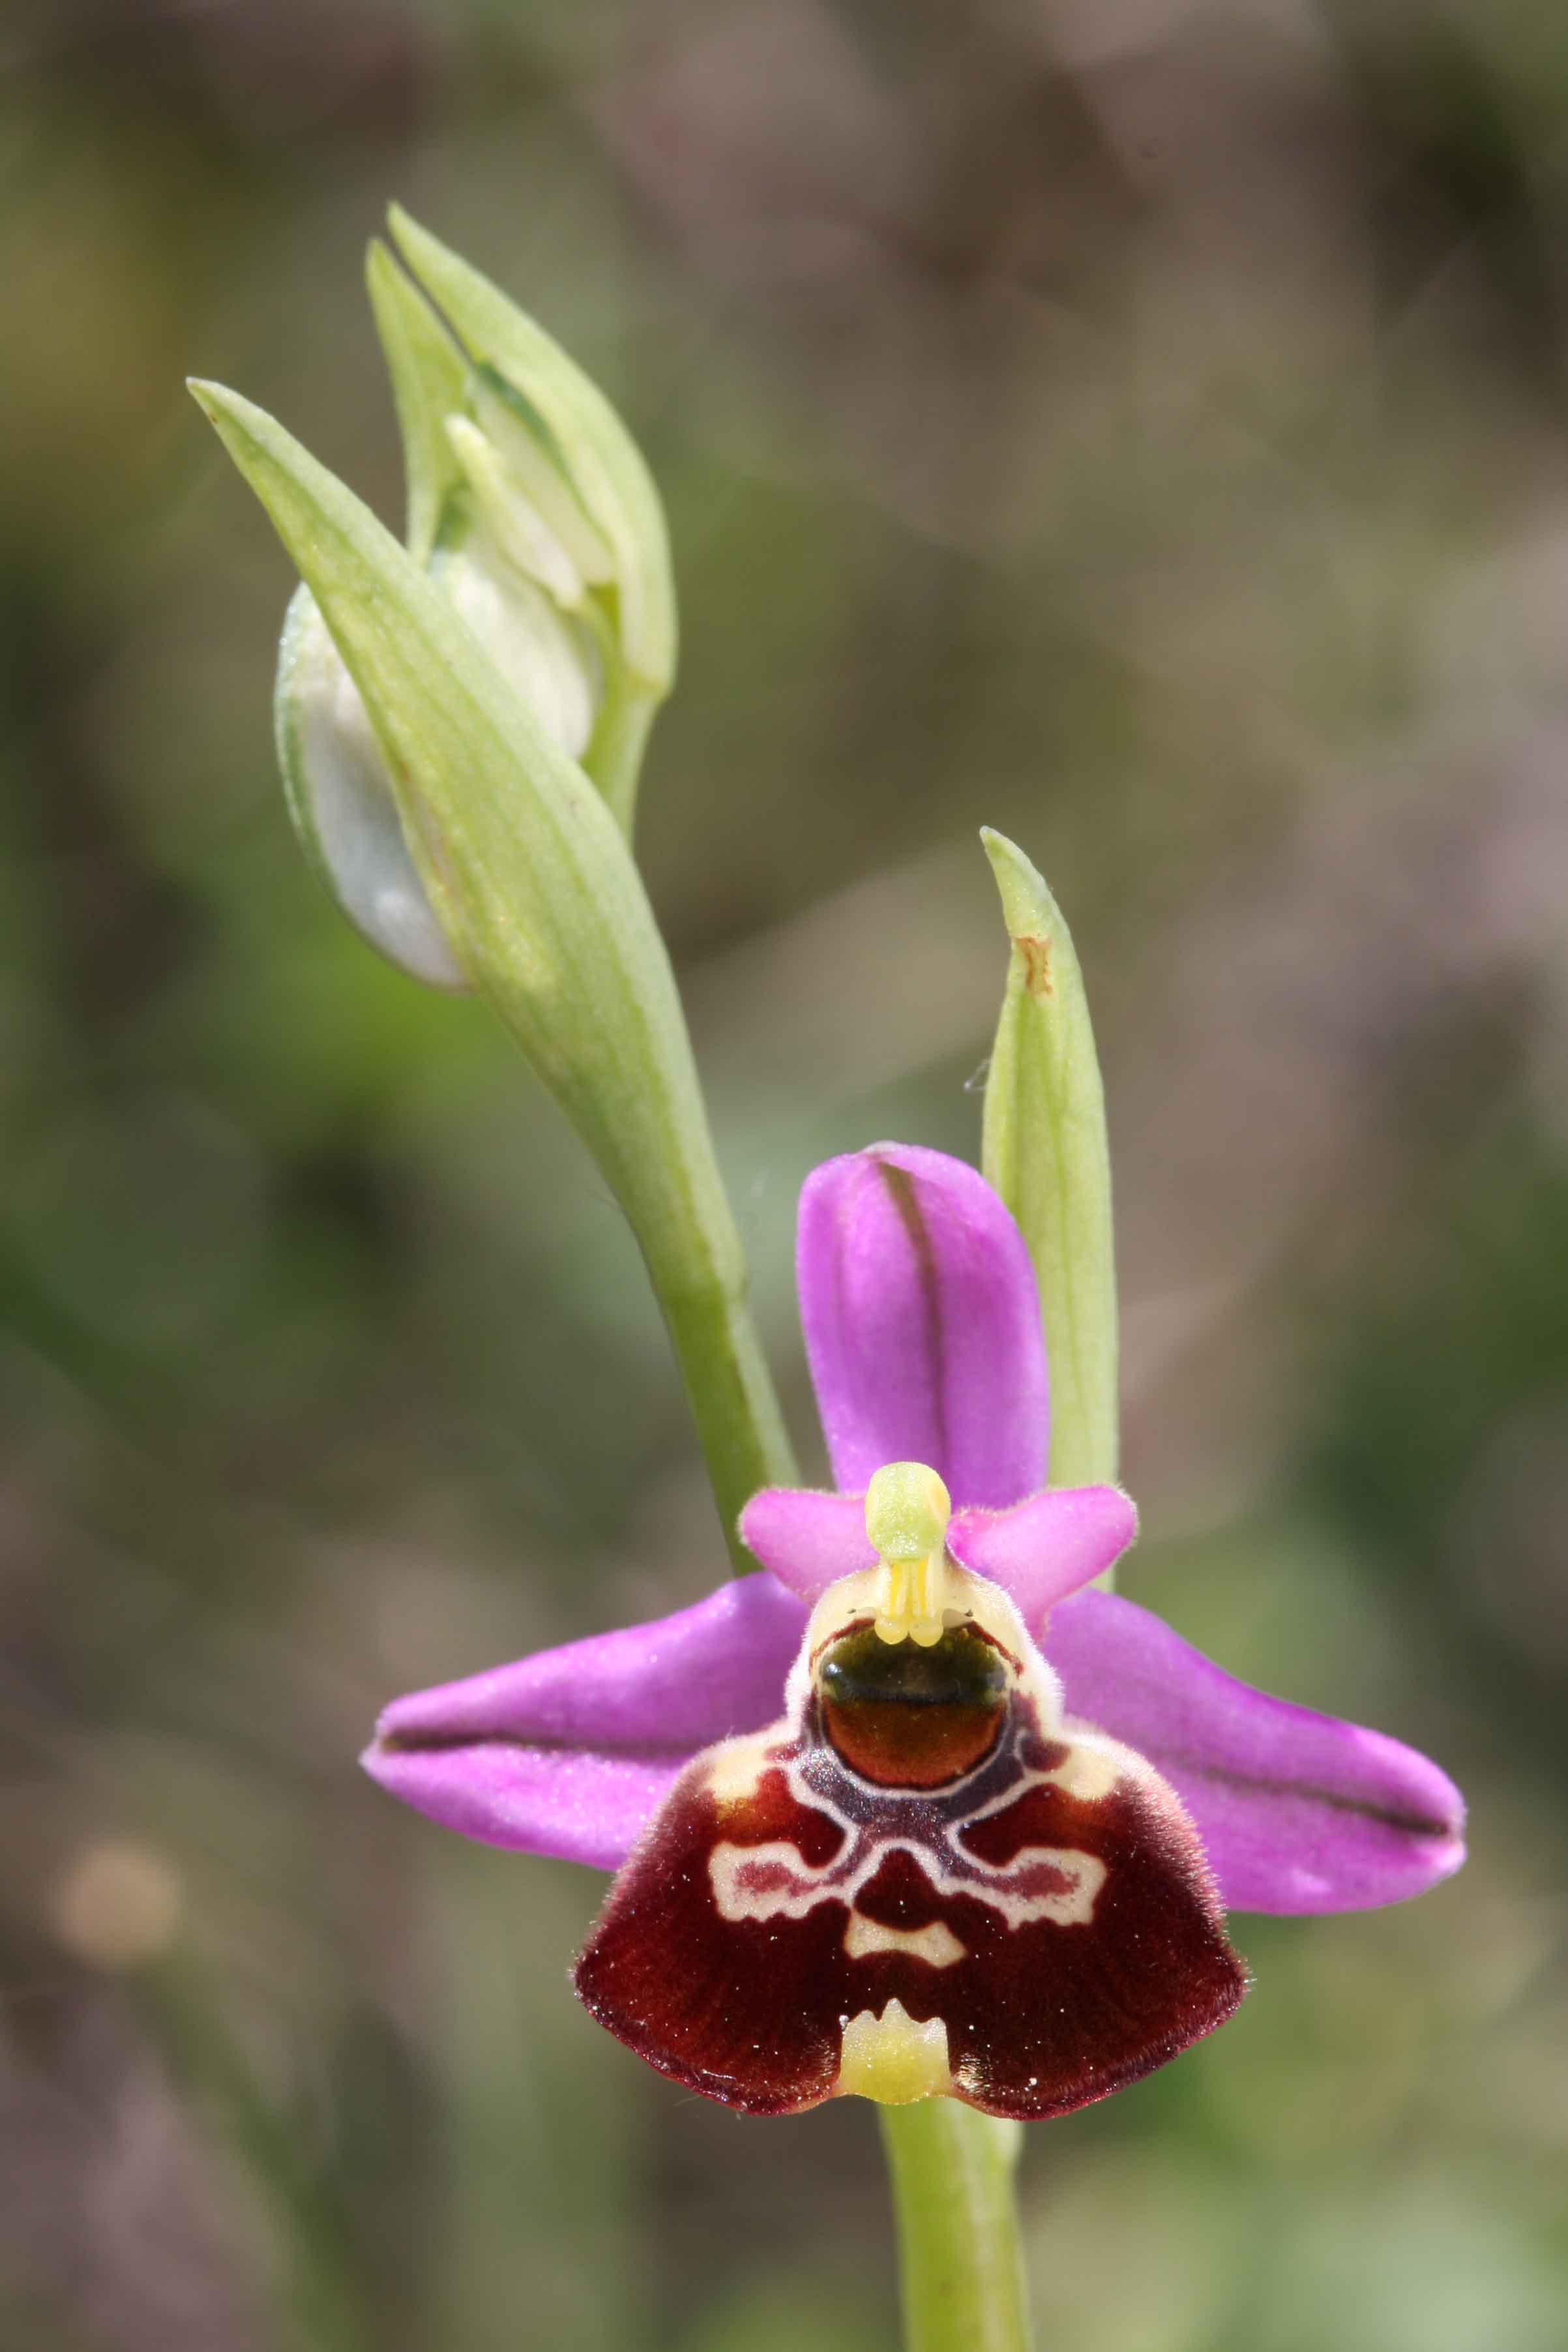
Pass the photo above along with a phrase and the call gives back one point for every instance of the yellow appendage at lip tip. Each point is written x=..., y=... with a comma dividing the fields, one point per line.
x=893, y=2060
x=907, y=1510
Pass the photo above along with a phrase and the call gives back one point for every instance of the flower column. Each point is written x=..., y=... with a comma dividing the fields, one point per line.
x=1046, y=1155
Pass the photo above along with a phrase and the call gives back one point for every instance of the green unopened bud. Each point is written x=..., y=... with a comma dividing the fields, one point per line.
x=531, y=509
x=529, y=875
x=534, y=461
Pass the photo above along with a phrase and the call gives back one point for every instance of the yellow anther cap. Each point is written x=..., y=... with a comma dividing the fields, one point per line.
x=907, y=1510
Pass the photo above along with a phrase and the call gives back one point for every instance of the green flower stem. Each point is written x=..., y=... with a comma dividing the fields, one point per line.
x=731, y=1395
x=960, y=2261
x=614, y=758
x=961, y=2277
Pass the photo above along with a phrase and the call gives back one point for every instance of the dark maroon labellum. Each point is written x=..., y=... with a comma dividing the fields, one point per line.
x=918, y=1885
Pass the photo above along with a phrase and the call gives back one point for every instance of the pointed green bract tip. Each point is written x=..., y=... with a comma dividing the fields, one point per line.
x=1025, y=895
x=428, y=373
x=228, y=411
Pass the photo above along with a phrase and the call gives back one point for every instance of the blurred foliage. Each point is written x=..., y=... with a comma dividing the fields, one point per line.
x=1140, y=425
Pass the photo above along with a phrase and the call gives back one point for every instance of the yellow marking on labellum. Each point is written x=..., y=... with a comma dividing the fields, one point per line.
x=892, y=2059
x=936, y=1944
x=1087, y=1771
x=736, y=1768
x=907, y=1510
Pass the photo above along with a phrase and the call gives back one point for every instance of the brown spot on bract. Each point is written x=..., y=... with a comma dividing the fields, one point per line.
x=1036, y=953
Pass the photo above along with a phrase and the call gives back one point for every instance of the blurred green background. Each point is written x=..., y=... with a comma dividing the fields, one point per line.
x=1140, y=425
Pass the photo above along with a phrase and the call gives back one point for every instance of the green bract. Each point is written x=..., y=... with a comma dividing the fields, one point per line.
x=1045, y=1152
x=530, y=507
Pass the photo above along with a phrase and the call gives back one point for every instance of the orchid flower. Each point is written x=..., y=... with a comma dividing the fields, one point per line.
x=917, y=1809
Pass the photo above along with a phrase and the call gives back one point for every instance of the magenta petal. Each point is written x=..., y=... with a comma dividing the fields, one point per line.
x=1048, y=1546
x=808, y=1539
x=568, y=1752
x=1299, y=1812
x=922, y=1324
x=579, y=1804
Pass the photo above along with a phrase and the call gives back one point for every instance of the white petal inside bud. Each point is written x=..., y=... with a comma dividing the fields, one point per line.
x=339, y=793
x=528, y=453
x=505, y=514
x=542, y=653
x=341, y=800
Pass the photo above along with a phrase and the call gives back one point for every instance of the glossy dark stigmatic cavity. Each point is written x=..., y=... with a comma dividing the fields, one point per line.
x=908, y=1717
